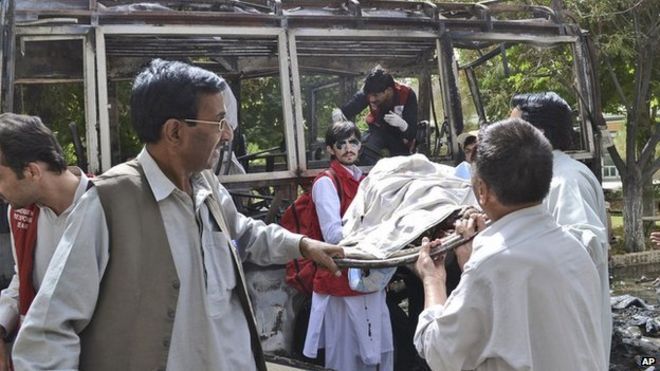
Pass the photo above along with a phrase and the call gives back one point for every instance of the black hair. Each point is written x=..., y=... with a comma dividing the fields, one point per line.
x=515, y=160
x=550, y=113
x=341, y=130
x=165, y=90
x=469, y=140
x=25, y=139
x=377, y=81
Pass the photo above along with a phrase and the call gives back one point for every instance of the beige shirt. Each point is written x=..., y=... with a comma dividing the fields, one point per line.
x=210, y=330
x=50, y=228
x=528, y=299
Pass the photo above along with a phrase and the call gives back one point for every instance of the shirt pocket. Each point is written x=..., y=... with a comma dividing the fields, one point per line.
x=220, y=275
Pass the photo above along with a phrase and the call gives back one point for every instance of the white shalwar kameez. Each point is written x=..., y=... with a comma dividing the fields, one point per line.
x=355, y=331
x=576, y=201
x=528, y=300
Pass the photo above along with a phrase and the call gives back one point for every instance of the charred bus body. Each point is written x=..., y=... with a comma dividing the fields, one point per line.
x=288, y=63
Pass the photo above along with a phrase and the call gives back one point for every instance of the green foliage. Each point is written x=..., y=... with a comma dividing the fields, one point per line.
x=261, y=113
x=57, y=105
x=60, y=104
x=530, y=69
x=129, y=145
x=619, y=28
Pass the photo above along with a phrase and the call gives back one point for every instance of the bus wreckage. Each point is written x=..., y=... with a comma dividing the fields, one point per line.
x=300, y=59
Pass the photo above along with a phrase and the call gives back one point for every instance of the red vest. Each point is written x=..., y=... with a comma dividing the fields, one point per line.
x=401, y=93
x=324, y=281
x=23, y=224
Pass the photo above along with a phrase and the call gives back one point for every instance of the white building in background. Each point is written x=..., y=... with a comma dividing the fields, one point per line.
x=616, y=128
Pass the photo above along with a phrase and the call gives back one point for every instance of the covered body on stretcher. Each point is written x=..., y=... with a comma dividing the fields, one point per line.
x=402, y=199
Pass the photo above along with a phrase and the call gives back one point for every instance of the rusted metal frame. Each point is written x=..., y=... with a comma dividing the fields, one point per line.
x=187, y=18
x=289, y=111
x=102, y=91
x=137, y=29
x=256, y=180
x=583, y=89
x=450, y=95
x=9, y=35
x=313, y=125
x=47, y=80
x=175, y=3
x=421, y=6
x=91, y=109
x=301, y=151
x=362, y=55
x=493, y=8
x=276, y=6
x=504, y=37
x=64, y=30
x=484, y=13
x=86, y=35
x=473, y=85
x=501, y=8
x=54, y=12
x=382, y=23
x=3, y=39
x=483, y=58
x=478, y=25
x=361, y=33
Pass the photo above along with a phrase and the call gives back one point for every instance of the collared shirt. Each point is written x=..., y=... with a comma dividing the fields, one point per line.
x=527, y=300
x=576, y=200
x=50, y=228
x=327, y=203
x=210, y=330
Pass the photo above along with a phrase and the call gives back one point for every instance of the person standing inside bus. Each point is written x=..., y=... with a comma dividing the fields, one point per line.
x=392, y=117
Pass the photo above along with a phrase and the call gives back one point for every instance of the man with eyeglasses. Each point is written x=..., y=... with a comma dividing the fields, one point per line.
x=351, y=322
x=392, y=117
x=146, y=276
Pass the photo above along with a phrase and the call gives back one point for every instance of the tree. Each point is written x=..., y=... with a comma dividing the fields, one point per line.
x=626, y=34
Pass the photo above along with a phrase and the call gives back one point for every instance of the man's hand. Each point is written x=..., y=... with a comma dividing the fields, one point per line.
x=468, y=228
x=395, y=120
x=321, y=253
x=431, y=268
x=5, y=352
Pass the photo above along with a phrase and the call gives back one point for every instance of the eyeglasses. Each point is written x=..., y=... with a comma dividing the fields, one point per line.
x=341, y=143
x=220, y=124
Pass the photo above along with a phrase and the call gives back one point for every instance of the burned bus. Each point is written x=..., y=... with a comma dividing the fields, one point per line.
x=289, y=63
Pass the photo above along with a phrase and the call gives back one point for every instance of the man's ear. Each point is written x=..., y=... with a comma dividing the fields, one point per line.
x=172, y=131
x=482, y=191
x=32, y=171
x=330, y=150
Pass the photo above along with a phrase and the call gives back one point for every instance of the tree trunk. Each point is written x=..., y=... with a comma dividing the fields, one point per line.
x=633, y=227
